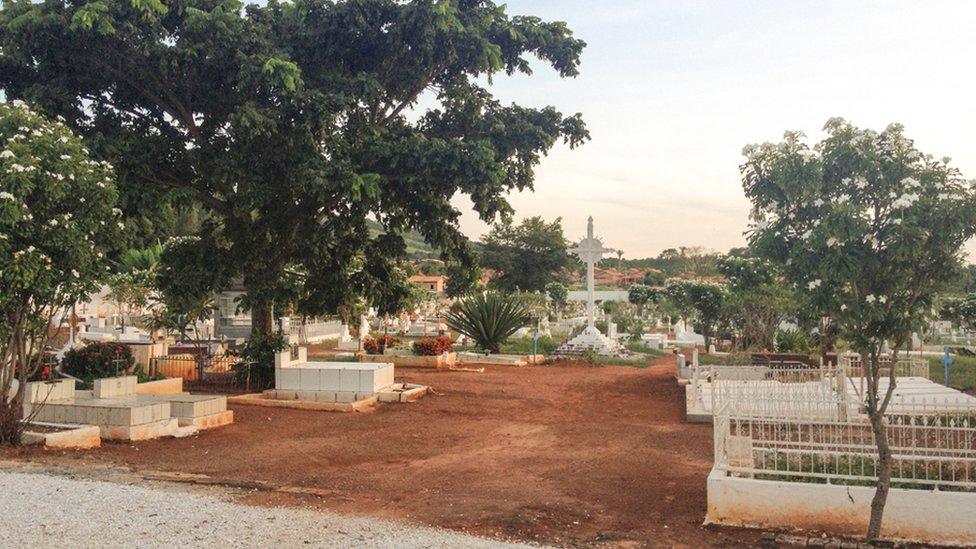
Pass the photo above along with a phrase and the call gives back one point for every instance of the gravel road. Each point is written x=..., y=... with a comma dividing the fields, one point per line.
x=46, y=511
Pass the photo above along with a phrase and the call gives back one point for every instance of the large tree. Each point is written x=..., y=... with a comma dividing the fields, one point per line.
x=870, y=229
x=58, y=224
x=527, y=256
x=294, y=123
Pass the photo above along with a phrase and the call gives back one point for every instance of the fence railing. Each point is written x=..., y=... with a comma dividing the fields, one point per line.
x=932, y=448
x=905, y=366
x=191, y=367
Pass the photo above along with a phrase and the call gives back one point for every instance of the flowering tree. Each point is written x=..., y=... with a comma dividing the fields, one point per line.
x=758, y=301
x=57, y=223
x=869, y=228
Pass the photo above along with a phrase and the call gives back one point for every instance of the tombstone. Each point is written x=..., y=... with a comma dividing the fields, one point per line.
x=344, y=336
x=612, y=329
x=544, y=329
x=363, y=328
x=694, y=357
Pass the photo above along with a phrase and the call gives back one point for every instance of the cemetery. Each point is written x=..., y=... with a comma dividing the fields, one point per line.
x=331, y=273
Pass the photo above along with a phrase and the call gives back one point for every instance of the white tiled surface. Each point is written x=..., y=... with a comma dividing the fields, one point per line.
x=352, y=377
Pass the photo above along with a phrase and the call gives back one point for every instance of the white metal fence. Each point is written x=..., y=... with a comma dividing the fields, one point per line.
x=905, y=366
x=931, y=450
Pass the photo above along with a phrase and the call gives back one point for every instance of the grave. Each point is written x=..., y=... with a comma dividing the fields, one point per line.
x=120, y=412
x=590, y=250
x=339, y=386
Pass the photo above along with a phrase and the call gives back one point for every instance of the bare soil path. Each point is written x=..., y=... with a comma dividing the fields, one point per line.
x=567, y=454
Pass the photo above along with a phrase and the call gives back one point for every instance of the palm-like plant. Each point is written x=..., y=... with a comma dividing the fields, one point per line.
x=489, y=318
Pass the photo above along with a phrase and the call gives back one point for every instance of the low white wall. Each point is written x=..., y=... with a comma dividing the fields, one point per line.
x=914, y=515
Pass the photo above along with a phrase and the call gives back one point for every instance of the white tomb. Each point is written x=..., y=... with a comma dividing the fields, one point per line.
x=328, y=381
x=590, y=250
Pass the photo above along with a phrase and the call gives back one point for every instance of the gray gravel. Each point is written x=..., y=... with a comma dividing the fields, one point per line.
x=46, y=511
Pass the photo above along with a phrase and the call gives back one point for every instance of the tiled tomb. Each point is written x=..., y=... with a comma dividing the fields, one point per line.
x=121, y=414
x=339, y=382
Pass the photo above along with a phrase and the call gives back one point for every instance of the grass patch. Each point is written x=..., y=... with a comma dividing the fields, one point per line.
x=962, y=373
x=523, y=346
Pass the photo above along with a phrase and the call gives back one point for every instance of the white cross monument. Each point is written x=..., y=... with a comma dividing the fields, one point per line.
x=590, y=250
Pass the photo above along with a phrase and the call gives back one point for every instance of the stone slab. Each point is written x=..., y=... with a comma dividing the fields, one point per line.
x=208, y=422
x=160, y=428
x=78, y=437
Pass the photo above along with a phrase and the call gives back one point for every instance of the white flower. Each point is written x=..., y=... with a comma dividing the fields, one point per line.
x=65, y=157
x=910, y=182
x=883, y=299
x=842, y=199
x=860, y=182
x=818, y=202
x=7, y=153
x=870, y=298
x=17, y=168
x=53, y=222
x=5, y=195
x=896, y=221
x=832, y=242
x=843, y=307
x=806, y=235
x=814, y=284
x=74, y=273
x=121, y=225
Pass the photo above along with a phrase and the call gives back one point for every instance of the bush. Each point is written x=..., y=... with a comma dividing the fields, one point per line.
x=794, y=341
x=433, y=346
x=489, y=318
x=97, y=360
x=257, y=356
x=376, y=346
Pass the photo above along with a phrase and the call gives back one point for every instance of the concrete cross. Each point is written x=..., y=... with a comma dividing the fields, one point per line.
x=590, y=250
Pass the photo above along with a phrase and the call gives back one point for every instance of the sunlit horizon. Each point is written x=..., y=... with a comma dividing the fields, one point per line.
x=672, y=92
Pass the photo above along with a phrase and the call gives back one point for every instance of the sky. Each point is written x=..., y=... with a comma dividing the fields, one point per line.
x=672, y=91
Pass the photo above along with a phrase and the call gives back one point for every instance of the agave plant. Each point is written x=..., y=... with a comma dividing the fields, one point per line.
x=489, y=318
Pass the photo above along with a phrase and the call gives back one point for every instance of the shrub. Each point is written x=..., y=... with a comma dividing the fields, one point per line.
x=489, y=318
x=794, y=341
x=257, y=357
x=376, y=346
x=433, y=346
x=97, y=360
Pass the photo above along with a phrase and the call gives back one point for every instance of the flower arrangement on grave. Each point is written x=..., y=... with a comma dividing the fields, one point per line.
x=433, y=346
x=97, y=360
x=376, y=346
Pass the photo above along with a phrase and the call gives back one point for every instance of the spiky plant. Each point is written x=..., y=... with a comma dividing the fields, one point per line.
x=489, y=318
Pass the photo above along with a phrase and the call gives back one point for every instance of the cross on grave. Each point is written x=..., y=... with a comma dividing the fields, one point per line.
x=590, y=250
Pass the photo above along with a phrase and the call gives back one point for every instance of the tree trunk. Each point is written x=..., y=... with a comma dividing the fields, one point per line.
x=10, y=416
x=262, y=319
x=884, y=475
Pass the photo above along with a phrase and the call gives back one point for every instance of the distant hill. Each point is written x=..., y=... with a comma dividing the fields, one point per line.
x=417, y=248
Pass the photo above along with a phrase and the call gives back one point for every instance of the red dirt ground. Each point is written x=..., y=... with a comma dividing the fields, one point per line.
x=568, y=454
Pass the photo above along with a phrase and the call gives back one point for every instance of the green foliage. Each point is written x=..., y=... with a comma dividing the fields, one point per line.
x=794, y=341
x=462, y=280
x=527, y=256
x=296, y=125
x=523, y=346
x=489, y=318
x=97, y=360
x=867, y=227
x=58, y=225
x=558, y=295
x=257, y=359
x=655, y=279
x=758, y=300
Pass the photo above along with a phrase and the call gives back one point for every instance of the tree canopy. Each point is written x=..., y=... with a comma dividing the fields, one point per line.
x=293, y=124
x=870, y=229
x=527, y=256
